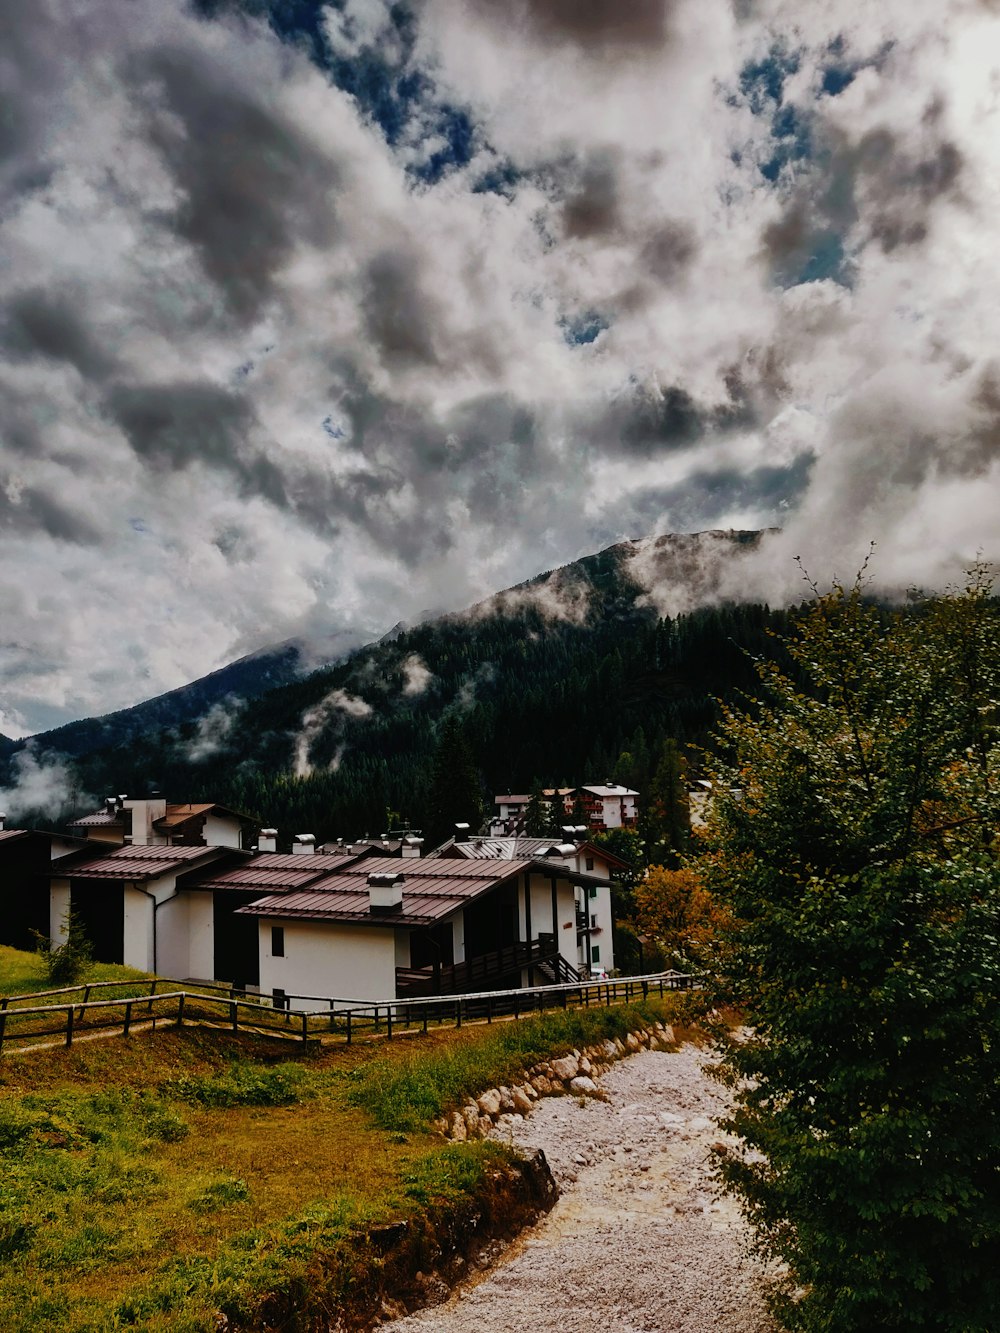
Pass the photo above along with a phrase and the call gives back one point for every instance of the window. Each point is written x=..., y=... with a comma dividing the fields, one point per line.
x=590, y=865
x=593, y=919
x=595, y=953
x=593, y=890
x=277, y=941
x=279, y=999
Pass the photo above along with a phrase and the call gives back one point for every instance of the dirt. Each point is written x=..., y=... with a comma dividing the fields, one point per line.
x=640, y=1240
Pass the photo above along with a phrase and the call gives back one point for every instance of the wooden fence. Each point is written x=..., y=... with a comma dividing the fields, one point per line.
x=147, y=1005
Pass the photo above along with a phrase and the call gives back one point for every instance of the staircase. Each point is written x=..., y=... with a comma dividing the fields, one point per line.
x=488, y=971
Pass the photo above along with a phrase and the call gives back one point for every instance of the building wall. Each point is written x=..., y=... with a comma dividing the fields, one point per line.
x=541, y=913
x=173, y=928
x=58, y=908
x=138, y=938
x=222, y=831
x=325, y=958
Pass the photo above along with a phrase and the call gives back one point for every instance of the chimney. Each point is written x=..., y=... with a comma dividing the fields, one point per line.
x=304, y=844
x=385, y=892
x=412, y=845
x=581, y=832
x=461, y=833
x=2, y=818
x=268, y=840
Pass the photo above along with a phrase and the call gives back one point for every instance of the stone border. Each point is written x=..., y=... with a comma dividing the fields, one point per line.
x=574, y=1074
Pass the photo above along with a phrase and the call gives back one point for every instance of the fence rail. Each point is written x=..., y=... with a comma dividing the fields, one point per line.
x=347, y=1019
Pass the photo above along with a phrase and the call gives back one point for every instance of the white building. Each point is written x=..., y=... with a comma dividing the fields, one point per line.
x=440, y=925
x=155, y=822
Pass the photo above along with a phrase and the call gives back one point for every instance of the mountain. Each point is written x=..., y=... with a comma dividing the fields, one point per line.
x=576, y=675
x=245, y=678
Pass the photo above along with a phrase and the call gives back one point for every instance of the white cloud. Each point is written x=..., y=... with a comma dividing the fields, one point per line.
x=258, y=382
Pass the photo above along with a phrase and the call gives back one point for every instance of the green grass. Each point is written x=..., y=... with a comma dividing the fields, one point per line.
x=155, y=1183
x=23, y=973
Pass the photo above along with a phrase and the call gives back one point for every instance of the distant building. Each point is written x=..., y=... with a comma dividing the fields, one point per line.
x=155, y=822
x=604, y=806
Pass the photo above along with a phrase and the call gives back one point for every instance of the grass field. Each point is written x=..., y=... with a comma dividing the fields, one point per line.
x=156, y=1182
x=21, y=973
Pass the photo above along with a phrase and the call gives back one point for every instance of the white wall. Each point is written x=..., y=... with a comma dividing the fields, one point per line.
x=58, y=908
x=222, y=831
x=326, y=958
x=137, y=948
x=173, y=953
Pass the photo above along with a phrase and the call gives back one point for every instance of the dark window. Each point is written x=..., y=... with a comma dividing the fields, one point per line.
x=279, y=998
x=593, y=891
x=595, y=953
x=590, y=863
x=277, y=941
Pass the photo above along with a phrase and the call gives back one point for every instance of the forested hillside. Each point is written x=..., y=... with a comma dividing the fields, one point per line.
x=568, y=678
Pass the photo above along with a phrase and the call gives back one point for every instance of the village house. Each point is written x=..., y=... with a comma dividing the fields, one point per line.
x=152, y=821
x=594, y=916
x=604, y=806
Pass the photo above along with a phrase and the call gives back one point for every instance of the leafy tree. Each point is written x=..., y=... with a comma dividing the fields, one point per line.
x=66, y=963
x=674, y=908
x=853, y=838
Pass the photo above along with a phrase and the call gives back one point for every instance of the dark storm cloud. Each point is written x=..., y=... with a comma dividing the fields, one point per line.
x=171, y=426
x=40, y=323
x=254, y=186
x=33, y=510
x=29, y=79
x=592, y=209
x=667, y=252
x=398, y=314
x=589, y=23
x=706, y=497
x=664, y=420
x=891, y=186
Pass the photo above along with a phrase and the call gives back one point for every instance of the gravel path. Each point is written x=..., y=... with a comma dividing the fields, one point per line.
x=638, y=1242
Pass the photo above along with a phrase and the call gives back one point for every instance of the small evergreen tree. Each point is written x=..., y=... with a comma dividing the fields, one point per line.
x=536, y=814
x=456, y=790
x=66, y=963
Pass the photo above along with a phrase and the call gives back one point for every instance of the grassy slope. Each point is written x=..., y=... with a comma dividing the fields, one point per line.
x=21, y=973
x=152, y=1183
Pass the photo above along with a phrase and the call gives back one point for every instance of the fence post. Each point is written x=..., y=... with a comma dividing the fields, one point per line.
x=388, y=1022
x=305, y=1026
x=69, y=1026
x=234, y=1015
x=565, y=999
x=489, y=1008
x=3, y=1023
x=128, y=1018
x=332, y=1021
x=516, y=1007
x=645, y=989
x=348, y=1027
x=152, y=992
x=458, y=1014
x=180, y=1010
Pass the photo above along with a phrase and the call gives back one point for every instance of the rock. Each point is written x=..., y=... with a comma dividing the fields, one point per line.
x=521, y=1100
x=542, y=1085
x=566, y=1068
x=506, y=1100
x=529, y=1090
x=585, y=1065
x=632, y=1042
x=458, y=1130
x=668, y=1034
x=583, y=1086
x=489, y=1103
x=609, y=1049
x=470, y=1115
x=620, y=1046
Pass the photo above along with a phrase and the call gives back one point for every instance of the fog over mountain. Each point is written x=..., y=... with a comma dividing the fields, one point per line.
x=320, y=314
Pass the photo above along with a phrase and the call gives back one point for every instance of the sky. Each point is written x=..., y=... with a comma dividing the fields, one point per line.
x=318, y=315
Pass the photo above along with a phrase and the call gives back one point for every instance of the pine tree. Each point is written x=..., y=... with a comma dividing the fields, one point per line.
x=456, y=789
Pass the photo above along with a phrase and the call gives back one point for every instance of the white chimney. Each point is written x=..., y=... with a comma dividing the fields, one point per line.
x=2, y=818
x=461, y=833
x=412, y=845
x=385, y=892
x=268, y=840
x=304, y=844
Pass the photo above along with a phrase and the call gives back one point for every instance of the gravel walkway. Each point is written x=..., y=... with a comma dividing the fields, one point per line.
x=638, y=1242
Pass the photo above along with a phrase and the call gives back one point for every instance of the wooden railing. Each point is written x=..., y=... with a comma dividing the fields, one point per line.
x=29, y=1025
x=454, y=978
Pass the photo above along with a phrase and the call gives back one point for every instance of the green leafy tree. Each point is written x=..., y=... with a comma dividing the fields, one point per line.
x=853, y=839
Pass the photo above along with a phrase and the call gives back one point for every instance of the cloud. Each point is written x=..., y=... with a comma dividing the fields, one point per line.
x=44, y=786
x=417, y=676
x=327, y=717
x=213, y=730
x=317, y=327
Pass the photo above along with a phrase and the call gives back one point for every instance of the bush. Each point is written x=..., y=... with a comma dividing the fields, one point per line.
x=66, y=963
